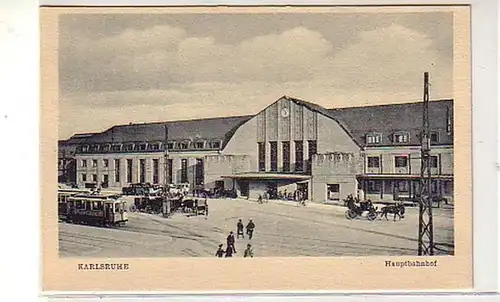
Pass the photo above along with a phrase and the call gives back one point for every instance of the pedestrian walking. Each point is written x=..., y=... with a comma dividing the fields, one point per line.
x=248, y=251
x=230, y=241
x=250, y=228
x=239, y=229
x=220, y=251
x=229, y=252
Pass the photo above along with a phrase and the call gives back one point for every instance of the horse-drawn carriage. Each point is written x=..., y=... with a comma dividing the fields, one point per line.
x=357, y=208
x=354, y=210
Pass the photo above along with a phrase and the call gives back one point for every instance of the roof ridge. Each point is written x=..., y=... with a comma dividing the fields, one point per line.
x=393, y=104
x=184, y=120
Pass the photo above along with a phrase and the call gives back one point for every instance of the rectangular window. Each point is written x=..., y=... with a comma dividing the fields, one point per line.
x=312, y=150
x=155, y=170
x=262, y=157
x=105, y=163
x=170, y=170
x=401, y=161
x=183, y=145
x=117, y=170
x=448, y=187
x=434, y=137
x=373, y=186
x=155, y=146
x=199, y=145
x=116, y=148
x=401, y=138
x=433, y=161
x=274, y=156
x=434, y=187
x=94, y=177
x=286, y=156
x=184, y=170
x=142, y=170
x=84, y=163
x=402, y=186
x=333, y=191
x=129, y=170
x=105, y=178
x=170, y=146
x=94, y=163
x=373, y=162
x=299, y=156
x=84, y=177
x=215, y=145
x=374, y=138
x=199, y=172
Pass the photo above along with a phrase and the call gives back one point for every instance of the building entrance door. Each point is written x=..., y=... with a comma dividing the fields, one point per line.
x=303, y=191
x=244, y=188
x=272, y=189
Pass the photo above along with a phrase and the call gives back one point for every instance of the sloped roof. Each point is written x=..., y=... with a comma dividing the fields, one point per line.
x=387, y=119
x=327, y=113
x=356, y=121
x=210, y=128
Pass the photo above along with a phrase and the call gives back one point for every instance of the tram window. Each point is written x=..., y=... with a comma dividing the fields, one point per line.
x=97, y=206
x=79, y=205
x=117, y=207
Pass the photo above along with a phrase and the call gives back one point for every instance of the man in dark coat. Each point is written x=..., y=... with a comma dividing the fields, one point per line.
x=250, y=228
x=239, y=229
x=220, y=251
x=230, y=242
x=229, y=252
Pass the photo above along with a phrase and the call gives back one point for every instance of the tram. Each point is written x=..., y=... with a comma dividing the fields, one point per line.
x=94, y=208
x=62, y=198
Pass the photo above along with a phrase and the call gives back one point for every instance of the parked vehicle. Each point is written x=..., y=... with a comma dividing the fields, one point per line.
x=94, y=209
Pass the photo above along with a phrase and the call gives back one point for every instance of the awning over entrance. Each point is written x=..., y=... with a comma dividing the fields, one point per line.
x=268, y=176
x=400, y=176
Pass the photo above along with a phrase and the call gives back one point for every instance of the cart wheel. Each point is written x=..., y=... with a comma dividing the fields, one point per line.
x=350, y=214
x=371, y=216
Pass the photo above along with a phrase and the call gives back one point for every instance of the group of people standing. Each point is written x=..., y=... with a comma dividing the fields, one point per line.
x=230, y=241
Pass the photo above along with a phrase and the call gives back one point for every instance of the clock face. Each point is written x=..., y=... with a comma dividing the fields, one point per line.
x=285, y=112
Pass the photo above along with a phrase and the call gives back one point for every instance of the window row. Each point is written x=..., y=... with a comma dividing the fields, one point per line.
x=401, y=137
x=198, y=173
x=157, y=146
x=399, y=161
x=406, y=186
x=285, y=151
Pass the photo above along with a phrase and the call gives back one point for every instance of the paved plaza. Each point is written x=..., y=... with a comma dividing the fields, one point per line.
x=282, y=230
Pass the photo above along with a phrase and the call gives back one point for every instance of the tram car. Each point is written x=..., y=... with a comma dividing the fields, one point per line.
x=62, y=198
x=94, y=209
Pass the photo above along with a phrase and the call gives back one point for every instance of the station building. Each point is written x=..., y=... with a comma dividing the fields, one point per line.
x=291, y=145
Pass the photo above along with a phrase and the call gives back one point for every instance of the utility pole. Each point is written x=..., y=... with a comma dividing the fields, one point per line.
x=166, y=199
x=425, y=227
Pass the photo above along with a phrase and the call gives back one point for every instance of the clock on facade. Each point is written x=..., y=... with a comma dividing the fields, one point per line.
x=285, y=112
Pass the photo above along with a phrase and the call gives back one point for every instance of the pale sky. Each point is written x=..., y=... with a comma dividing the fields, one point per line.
x=116, y=68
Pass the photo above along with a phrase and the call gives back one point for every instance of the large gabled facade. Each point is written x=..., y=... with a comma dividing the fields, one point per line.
x=290, y=146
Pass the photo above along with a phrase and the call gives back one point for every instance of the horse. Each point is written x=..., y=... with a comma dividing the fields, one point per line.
x=396, y=210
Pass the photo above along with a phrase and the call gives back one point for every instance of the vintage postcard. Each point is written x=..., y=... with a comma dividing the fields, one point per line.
x=215, y=149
